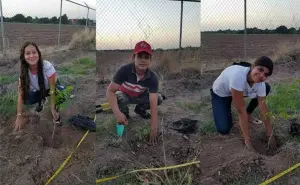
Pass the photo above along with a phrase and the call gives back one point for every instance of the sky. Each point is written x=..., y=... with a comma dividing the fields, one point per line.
x=122, y=23
x=48, y=8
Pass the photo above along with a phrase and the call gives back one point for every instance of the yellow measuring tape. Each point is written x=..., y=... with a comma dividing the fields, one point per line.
x=147, y=169
x=281, y=174
x=69, y=157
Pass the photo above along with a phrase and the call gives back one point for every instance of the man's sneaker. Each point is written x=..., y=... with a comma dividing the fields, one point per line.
x=40, y=107
x=143, y=113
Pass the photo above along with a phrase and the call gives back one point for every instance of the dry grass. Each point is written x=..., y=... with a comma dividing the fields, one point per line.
x=190, y=62
x=83, y=40
x=287, y=52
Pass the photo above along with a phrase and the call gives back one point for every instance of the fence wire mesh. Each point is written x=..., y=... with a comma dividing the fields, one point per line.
x=26, y=20
x=74, y=63
x=271, y=28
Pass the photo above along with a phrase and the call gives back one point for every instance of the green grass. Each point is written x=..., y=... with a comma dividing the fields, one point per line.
x=284, y=102
x=207, y=127
x=196, y=107
x=82, y=66
x=7, y=79
x=8, y=103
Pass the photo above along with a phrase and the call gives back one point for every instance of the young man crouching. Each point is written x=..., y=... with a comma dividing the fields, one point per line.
x=136, y=83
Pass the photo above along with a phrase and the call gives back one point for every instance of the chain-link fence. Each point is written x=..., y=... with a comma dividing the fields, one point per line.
x=66, y=43
x=166, y=25
x=50, y=24
x=211, y=30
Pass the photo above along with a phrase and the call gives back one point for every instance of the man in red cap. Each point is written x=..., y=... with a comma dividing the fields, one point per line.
x=136, y=83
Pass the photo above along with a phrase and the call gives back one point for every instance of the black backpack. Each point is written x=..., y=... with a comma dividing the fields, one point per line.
x=245, y=64
x=83, y=122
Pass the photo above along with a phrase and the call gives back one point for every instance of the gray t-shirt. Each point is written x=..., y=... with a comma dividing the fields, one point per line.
x=235, y=77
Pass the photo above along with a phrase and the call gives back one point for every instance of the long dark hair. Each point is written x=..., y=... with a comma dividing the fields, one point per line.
x=24, y=76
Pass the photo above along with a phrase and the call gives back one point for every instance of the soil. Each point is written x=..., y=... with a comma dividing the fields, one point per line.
x=223, y=159
x=32, y=155
x=43, y=34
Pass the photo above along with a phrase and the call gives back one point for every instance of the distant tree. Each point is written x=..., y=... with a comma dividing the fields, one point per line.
x=281, y=29
x=29, y=19
x=54, y=20
x=292, y=30
x=64, y=19
x=19, y=18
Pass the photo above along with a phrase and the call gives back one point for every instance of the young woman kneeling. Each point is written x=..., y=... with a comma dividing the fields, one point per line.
x=236, y=82
x=37, y=81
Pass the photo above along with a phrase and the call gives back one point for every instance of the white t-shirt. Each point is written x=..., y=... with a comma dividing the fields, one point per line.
x=235, y=77
x=48, y=72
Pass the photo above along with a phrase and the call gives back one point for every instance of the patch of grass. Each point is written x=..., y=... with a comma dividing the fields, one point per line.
x=82, y=66
x=251, y=178
x=142, y=131
x=207, y=127
x=7, y=79
x=284, y=102
x=171, y=177
x=8, y=103
x=124, y=180
x=193, y=106
x=83, y=40
x=105, y=124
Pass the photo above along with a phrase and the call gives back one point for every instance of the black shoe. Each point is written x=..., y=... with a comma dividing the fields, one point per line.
x=40, y=107
x=143, y=113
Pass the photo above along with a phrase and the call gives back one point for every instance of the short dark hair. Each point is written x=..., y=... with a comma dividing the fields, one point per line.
x=266, y=62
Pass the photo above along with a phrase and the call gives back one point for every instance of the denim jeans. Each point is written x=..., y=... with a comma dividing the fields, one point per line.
x=222, y=110
x=35, y=96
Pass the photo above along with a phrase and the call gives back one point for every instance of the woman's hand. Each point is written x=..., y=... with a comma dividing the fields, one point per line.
x=19, y=124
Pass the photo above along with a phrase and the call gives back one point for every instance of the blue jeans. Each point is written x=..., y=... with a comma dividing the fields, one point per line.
x=222, y=110
x=35, y=96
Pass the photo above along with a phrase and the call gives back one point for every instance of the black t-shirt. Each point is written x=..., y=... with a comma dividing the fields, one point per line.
x=128, y=79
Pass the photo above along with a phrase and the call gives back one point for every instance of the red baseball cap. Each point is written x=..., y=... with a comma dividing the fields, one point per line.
x=142, y=46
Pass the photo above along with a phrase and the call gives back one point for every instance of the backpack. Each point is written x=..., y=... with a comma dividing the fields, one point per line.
x=245, y=64
x=83, y=122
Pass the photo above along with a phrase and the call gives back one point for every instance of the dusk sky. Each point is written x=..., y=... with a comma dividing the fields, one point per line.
x=47, y=8
x=122, y=23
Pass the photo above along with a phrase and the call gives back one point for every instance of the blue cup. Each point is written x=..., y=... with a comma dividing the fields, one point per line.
x=120, y=129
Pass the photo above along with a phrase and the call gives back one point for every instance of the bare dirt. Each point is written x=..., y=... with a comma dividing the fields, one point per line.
x=31, y=156
x=43, y=34
x=223, y=159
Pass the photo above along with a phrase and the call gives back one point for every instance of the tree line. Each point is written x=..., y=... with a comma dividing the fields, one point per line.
x=279, y=30
x=20, y=18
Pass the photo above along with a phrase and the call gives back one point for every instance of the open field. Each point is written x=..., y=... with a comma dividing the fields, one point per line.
x=31, y=156
x=217, y=50
x=223, y=159
x=45, y=35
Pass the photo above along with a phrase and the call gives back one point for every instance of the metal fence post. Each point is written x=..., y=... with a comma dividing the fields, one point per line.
x=200, y=22
x=59, y=24
x=87, y=16
x=180, y=31
x=2, y=30
x=245, y=29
